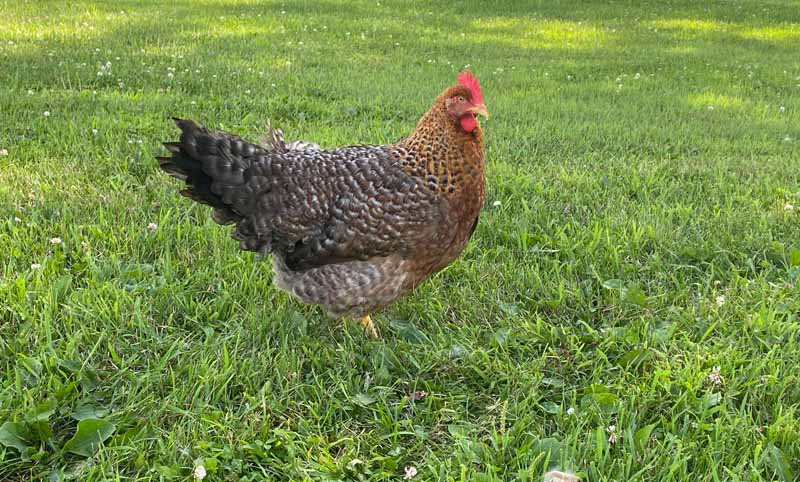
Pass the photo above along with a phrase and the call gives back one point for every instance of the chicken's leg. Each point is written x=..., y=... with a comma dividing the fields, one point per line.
x=369, y=327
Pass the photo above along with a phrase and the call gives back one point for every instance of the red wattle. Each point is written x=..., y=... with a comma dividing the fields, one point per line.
x=468, y=122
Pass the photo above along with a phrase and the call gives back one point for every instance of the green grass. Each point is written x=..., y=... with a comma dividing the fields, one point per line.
x=644, y=158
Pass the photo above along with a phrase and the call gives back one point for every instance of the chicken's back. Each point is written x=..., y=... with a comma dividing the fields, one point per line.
x=313, y=207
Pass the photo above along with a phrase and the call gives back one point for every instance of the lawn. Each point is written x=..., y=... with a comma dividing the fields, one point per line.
x=628, y=309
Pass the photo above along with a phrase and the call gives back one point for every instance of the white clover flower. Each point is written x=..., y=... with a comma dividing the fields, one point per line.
x=94, y=131
x=559, y=476
x=720, y=300
x=46, y=113
x=787, y=207
x=3, y=152
x=571, y=411
x=496, y=203
x=353, y=464
x=711, y=107
x=612, y=434
x=787, y=139
x=637, y=76
x=30, y=92
x=55, y=241
x=782, y=109
x=410, y=472
x=36, y=266
x=199, y=472
x=152, y=226
x=714, y=378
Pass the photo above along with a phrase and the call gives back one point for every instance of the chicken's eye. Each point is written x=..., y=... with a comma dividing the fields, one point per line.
x=461, y=98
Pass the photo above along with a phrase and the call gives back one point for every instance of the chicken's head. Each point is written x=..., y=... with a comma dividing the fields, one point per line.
x=465, y=100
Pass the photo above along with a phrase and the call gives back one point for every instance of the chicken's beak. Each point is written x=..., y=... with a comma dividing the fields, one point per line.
x=479, y=109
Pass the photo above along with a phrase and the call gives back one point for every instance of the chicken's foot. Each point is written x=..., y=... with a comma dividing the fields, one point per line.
x=369, y=327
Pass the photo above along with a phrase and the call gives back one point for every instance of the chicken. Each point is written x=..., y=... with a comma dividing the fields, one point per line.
x=350, y=229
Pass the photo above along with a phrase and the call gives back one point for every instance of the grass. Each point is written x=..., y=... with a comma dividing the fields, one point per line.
x=642, y=160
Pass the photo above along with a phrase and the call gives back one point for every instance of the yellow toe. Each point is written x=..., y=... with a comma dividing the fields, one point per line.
x=369, y=327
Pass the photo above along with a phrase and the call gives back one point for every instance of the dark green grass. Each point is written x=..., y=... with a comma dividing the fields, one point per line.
x=644, y=157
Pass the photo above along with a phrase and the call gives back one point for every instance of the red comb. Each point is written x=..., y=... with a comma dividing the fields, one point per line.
x=471, y=82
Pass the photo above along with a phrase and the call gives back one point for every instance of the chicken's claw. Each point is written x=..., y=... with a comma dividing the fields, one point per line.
x=369, y=328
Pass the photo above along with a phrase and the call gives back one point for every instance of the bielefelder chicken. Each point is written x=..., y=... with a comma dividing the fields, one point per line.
x=350, y=229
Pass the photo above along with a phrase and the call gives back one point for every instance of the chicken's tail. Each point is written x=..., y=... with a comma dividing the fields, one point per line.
x=213, y=165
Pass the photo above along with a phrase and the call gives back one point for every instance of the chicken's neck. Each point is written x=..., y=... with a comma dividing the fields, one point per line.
x=447, y=157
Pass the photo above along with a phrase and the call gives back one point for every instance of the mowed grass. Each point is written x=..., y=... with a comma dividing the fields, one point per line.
x=637, y=264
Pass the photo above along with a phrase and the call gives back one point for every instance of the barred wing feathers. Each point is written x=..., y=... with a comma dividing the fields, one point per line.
x=312, y=207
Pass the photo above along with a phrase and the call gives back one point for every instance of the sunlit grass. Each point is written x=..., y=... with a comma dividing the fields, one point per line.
x=695, y=27
x=711, y=101
x=788, y=34
x=691, y=25
x=540, y=34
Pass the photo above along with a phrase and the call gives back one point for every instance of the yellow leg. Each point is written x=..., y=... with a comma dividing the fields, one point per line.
x=369, y=327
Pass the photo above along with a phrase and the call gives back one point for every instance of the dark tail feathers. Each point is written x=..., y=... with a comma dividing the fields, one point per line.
x=209, y=164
